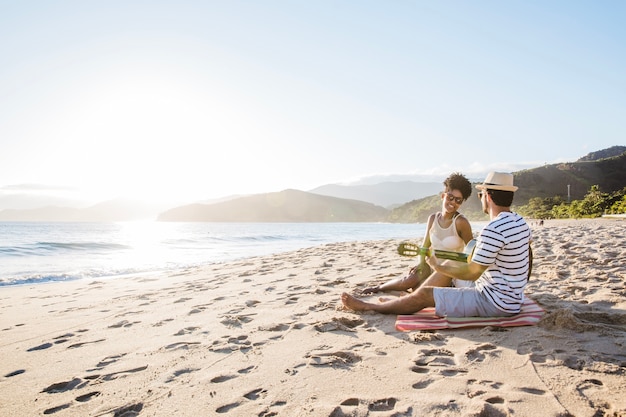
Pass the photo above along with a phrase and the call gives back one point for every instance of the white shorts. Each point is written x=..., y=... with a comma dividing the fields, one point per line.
x=464, y=302
x=461, y=283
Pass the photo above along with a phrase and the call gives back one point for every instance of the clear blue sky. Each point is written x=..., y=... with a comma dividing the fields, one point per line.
x=200, y=99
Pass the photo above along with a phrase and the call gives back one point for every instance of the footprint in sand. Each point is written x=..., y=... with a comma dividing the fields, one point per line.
x=476, y=354
x=236, y=320
x=63, y=338
x=529, y=346
x=14, y=373
x=57, y=408
x=222, y=378
x=40, y=347
x=231, y=344
x=186, y=330
x=339, y=359
x=64, y=386
x=339, y=324
x=115, y=375
x=123, y=323
x=425, y=336
x=226, y=408
x=422, y=384
x=255, y=394
x=162, y=322
x=440, y=361
x=281, y=327
x=180, y=372
x=87, y=397
x=108, y=361
x=384, y=404
x=77, y=345
x=246, y=370
x=589, y=385
x=131, y=410
x=533, y=391
x=181, y=345
x=478, y=388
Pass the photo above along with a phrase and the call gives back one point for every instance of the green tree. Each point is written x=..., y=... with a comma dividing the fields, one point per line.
x=562, y=211
x=618, y=202
x=595, y=202
x=540, y=208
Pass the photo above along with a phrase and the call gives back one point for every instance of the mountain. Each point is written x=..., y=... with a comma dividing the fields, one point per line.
x=576, y=177
x=603, y=154
x=385, y=194
x=284, y=206
x=608, y=173
x=107, y=211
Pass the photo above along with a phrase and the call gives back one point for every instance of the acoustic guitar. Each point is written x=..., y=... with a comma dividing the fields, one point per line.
x=411, y=249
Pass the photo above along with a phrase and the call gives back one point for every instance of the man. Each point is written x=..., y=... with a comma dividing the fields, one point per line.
x=499, y=267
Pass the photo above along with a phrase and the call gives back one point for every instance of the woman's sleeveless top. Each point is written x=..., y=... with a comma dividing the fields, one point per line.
x=448, y=238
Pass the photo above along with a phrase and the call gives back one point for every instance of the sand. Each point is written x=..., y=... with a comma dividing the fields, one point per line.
x=268, y=336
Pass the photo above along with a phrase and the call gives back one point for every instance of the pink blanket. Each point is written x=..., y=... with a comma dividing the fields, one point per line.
x=427, y=320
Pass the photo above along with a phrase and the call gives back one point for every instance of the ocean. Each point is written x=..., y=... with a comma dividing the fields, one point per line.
x=35, y=253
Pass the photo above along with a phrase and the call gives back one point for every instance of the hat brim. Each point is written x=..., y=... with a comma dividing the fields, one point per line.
x=496, y=187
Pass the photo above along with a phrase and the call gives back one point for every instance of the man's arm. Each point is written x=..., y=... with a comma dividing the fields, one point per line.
x=465, y=271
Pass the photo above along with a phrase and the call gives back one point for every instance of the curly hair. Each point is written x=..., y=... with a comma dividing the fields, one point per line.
x=457, y=181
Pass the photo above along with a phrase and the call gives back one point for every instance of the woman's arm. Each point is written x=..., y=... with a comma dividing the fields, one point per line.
x=426, y=242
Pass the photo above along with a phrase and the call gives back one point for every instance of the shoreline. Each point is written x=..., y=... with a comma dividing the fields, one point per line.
x=34, y=254
x=267, y=335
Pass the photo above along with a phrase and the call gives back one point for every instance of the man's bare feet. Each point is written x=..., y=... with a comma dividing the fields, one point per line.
x=354, y=303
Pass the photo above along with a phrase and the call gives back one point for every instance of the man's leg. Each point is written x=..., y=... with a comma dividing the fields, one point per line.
x=408, y=304
x=437, y=280
x=412, y=303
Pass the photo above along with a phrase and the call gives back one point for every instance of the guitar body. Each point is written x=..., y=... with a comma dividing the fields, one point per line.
x=411, y=249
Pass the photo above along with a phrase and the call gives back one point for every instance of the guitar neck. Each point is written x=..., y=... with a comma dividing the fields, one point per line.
x=453, y=256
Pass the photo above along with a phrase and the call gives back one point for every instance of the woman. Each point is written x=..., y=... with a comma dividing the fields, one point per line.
x=446, y=230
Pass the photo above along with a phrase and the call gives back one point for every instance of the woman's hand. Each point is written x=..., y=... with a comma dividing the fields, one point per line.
x=432, y=261
x=371, y=290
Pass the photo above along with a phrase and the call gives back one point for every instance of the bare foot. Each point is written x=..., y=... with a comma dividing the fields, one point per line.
x=354, y=303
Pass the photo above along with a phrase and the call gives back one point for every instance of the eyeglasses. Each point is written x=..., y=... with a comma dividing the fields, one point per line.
x=451, y=197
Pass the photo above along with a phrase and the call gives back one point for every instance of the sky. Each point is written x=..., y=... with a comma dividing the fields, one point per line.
x=192, y=100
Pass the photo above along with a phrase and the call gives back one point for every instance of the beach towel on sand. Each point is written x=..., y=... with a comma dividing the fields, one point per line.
x=427, y=320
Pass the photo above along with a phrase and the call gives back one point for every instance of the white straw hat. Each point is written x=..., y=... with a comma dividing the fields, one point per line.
x=498, y=181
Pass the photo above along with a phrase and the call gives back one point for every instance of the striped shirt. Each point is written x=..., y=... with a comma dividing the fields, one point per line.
x=503, y=246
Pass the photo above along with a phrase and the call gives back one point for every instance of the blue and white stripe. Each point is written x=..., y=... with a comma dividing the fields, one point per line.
x=503, y=245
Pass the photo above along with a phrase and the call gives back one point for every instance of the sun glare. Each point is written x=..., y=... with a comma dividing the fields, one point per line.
x=150, y=137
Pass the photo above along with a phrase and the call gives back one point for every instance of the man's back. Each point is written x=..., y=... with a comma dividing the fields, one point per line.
x=503, y=245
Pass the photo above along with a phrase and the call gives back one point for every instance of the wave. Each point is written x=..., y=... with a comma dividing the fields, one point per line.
x=38, y=279
x=70, y=276
x=56, y=248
